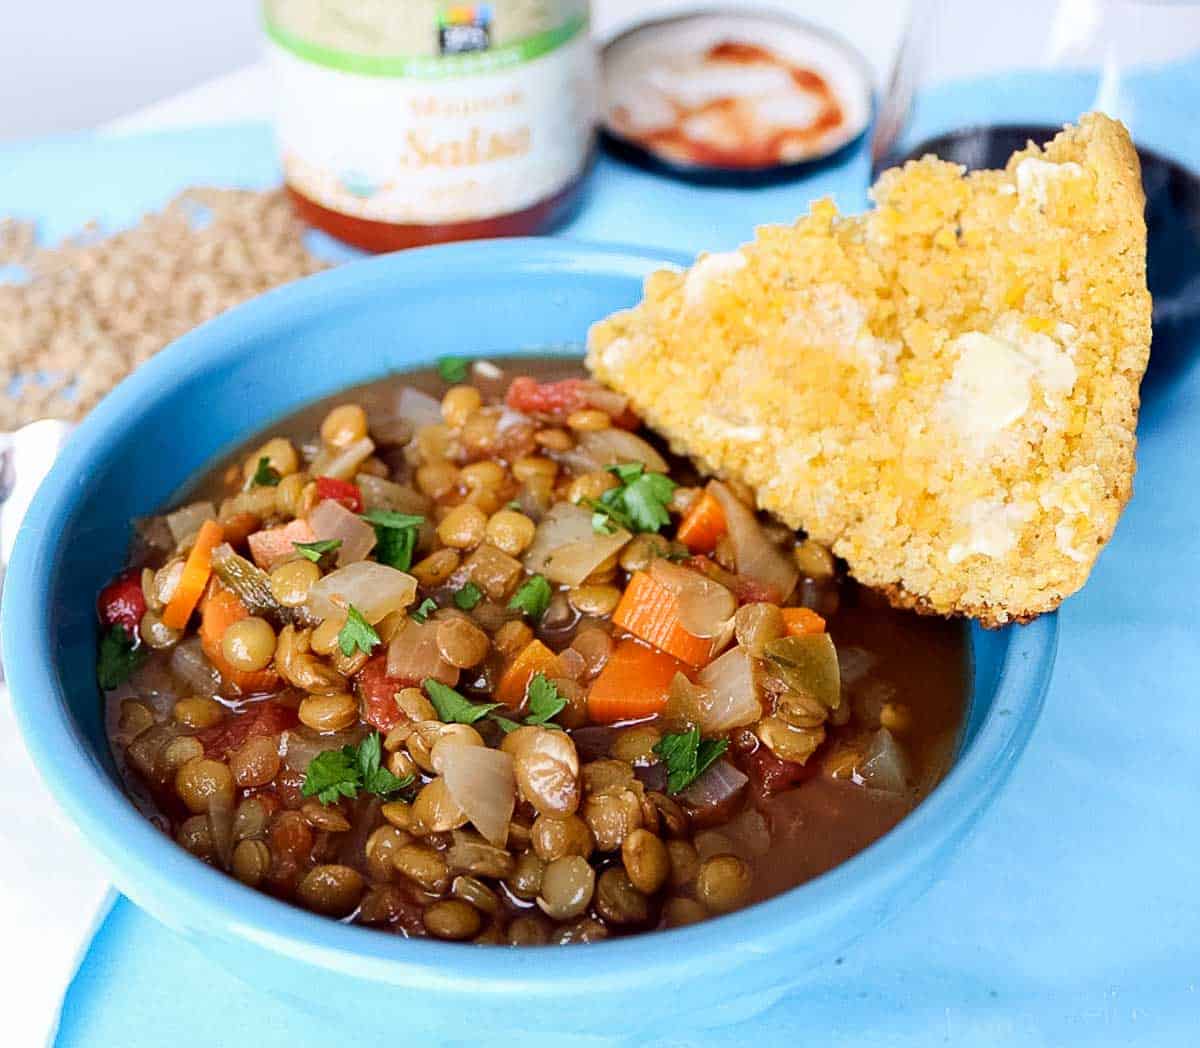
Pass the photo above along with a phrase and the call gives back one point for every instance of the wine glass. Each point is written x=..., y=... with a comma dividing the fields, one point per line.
x=974, y=82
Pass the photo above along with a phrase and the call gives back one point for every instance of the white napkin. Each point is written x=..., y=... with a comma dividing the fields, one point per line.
x=53, y=896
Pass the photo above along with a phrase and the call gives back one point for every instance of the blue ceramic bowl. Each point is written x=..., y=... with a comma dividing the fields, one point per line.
x=229, y=380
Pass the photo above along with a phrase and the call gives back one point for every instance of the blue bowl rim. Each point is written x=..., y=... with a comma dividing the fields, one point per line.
x=164, y=878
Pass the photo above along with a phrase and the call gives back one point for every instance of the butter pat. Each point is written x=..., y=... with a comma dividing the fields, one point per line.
x=1034, y=175
x=992, y=383
x=709, y=270
x=992, y=528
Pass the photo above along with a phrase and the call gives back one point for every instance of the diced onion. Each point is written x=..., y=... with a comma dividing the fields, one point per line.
x=378, y=493
x=298, y=748
x=716, y=786
x=807, y=665
x=343, y=463
x=413, y=655
x=418, y=408
x=567, y=549
x=885, y=766
x=185, y=521
x=189, y=663
x=610, y=447
x=375, y=590
x=482, y=782
x=331, y=520
x=704, y=605
x=731, y=698
x=854, y=663
x=757, y=557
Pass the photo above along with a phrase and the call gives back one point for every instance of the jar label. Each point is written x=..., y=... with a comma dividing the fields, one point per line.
x=470, y=134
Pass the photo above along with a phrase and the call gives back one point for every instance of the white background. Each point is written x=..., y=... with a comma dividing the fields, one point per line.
x=68, y=65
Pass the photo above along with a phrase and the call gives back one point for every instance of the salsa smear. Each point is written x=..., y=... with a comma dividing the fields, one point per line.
x=488, y=665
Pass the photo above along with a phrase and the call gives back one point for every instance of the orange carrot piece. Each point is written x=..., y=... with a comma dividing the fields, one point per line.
x=799, y=621
x=535, y=657
x=271, y=545
x=634, y=683
x=196, y=571
x=650, y=611
x=703, y=525
x=219, y=610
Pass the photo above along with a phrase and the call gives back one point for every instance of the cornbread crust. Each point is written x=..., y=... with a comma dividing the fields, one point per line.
x=944, y=389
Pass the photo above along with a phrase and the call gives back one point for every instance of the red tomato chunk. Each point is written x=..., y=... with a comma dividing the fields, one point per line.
x=263, y=718
x=340, y=491
x=378, y=692
x=122, y=602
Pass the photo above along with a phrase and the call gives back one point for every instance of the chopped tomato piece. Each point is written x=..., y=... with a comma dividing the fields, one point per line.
x=340, y=491
x=378, y=693
x=547, y=398
x=122, y=602
x=262, y=718
x=773, y=774
x=559, y=399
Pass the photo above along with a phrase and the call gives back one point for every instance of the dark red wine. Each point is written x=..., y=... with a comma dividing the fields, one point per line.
x=1172, y=228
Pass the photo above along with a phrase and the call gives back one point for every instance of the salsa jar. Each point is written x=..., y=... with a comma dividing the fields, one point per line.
x=422, y=122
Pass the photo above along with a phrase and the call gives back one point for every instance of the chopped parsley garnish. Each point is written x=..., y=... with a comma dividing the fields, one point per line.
x=467, y=597
x=357, y=633
x=533, y=597
x=395, y=536
x=266, y=475
x=453, y=369
x=507, y=725
x=545, y=701
x=453, y=708
x=314, y=551
x=119, y=658
x=342, y=773
x=515, y=504
x=423, y=610
x=687, y=756
x=638, y=503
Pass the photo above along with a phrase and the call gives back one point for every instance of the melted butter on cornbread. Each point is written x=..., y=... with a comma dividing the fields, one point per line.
x=943, y=389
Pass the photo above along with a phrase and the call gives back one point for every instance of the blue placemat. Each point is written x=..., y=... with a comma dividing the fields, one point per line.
x=1071, y=917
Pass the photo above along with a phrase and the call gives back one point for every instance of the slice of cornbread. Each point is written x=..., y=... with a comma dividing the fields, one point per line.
x=943, y=389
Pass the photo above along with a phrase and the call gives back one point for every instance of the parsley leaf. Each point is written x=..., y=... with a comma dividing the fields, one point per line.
x=119, y=657
x=423, y=610
x=453, y=369
x=687, y=756
x=331, y=775
x=357, y=633
x=467, y=597
x=506, y=725
x=314, y=551
x=377, y=779
x=533, y=597
x=266, y=475
x=342, y=773
x=453, y=708
x=545, y=701
x=395, y=536
x=638, y=504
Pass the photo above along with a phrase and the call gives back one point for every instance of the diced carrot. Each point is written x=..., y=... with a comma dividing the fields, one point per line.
x=634, y=683
x=196, y=571
x=799, y=621
x=220, y=610
x=271, y=545
x=703, y=525
x=535, y=657
x=649, y=610
x=239, y=526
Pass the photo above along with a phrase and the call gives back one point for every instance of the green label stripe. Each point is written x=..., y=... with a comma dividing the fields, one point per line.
x=434, y=66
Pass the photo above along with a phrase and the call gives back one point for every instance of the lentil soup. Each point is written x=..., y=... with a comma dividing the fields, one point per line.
x=466, y=654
